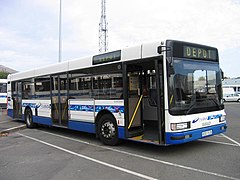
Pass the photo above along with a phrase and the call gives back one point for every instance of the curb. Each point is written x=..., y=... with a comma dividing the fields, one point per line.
x=10, y=130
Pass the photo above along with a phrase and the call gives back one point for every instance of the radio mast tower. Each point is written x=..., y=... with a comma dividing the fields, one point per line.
x=103, y=29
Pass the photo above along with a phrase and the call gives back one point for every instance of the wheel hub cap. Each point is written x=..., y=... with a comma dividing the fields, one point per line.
x=107, y=130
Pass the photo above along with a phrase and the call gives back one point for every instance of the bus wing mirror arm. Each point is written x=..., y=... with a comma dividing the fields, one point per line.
x=222, y=74
x=161, y=49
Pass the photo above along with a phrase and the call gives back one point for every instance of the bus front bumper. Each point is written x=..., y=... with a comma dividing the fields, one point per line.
x=187, y=136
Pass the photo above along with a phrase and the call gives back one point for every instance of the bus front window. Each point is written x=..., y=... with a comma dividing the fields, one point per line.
x=194, y=87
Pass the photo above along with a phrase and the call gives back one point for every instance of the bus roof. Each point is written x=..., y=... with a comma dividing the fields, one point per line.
x=130, y=53
x=141, y=51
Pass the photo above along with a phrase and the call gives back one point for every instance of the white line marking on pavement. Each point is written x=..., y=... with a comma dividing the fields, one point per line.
x=143, y=157
x=4, y=122
x=218, y=136
x=90, y=159
x=231, y=139
x=13, y=128
x=217, y=142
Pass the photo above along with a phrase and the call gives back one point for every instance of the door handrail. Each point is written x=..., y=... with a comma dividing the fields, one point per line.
x=135, y=111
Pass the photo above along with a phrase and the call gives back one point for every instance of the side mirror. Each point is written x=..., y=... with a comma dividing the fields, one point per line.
x=161, y=49
x=9, y=98
x=222, y=74
x=171, y=70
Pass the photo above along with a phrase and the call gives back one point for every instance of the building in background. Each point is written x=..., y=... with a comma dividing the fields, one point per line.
x=7, y=69
x=4, y=71
x=231, y=85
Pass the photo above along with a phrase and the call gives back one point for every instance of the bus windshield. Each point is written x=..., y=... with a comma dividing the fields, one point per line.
x=194, y=87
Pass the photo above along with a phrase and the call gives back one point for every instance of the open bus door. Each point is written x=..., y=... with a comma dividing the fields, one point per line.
x=134, y=100
x=17, y=100
x=144, y=101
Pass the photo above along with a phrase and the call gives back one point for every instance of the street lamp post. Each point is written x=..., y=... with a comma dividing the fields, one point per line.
x=60, y=33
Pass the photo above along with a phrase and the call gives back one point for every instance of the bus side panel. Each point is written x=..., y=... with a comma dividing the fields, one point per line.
x=82, y=126
x=116, y=107
x=42, y=120
x=41, y=111
x=81, y=110
x=121, y=132
x=187, y=136
x=44, y=108
x=82, y=114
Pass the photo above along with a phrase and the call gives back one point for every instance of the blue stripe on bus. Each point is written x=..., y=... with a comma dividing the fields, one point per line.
x=43, y=120
x=121, y=132
x=87, y=108
x=31, y=105
x=91, y=128
x=176, y=138
x=90, y=108
x=74, y=125
x=112, y=109
x=82, y=126
x=3, y=96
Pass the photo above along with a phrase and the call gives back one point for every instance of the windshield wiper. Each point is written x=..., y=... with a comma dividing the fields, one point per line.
x=197, y=96
x=192, y=103
x=216, y=102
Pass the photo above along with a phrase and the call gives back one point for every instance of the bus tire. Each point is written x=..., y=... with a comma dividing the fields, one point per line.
x=107, y=130
x=29, y=118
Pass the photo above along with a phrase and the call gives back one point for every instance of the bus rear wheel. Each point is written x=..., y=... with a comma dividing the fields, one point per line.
x=108, y=130
x=29, y=118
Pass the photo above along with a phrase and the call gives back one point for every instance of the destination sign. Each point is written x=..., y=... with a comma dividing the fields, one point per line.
x=199, y=53
x=193, y=51
x=107, y=57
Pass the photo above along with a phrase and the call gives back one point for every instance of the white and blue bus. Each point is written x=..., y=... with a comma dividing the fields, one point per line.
x=164, y=93
x=3, y=93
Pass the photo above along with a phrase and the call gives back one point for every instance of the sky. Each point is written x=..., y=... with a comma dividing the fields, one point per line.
x=29, y=29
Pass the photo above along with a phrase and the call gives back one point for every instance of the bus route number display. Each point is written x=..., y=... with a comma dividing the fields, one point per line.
x=199, y=53
x=107, y=57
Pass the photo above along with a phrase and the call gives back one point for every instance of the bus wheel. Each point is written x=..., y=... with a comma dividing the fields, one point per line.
x=29, y=119
x=108, y=130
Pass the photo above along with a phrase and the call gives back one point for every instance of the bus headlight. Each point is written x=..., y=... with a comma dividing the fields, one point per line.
x=180, y=126
x=222, y=118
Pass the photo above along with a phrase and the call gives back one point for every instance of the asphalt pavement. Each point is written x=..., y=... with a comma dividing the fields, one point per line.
x=53, y=153
x=7, y=125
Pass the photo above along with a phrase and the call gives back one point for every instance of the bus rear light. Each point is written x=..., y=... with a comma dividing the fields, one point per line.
x=180, y=126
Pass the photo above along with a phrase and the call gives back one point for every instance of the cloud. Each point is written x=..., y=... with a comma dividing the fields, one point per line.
x=29, y=29
x=209, y=22
x=24, y=61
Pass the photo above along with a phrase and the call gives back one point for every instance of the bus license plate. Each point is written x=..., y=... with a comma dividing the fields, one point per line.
x=206, y=133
